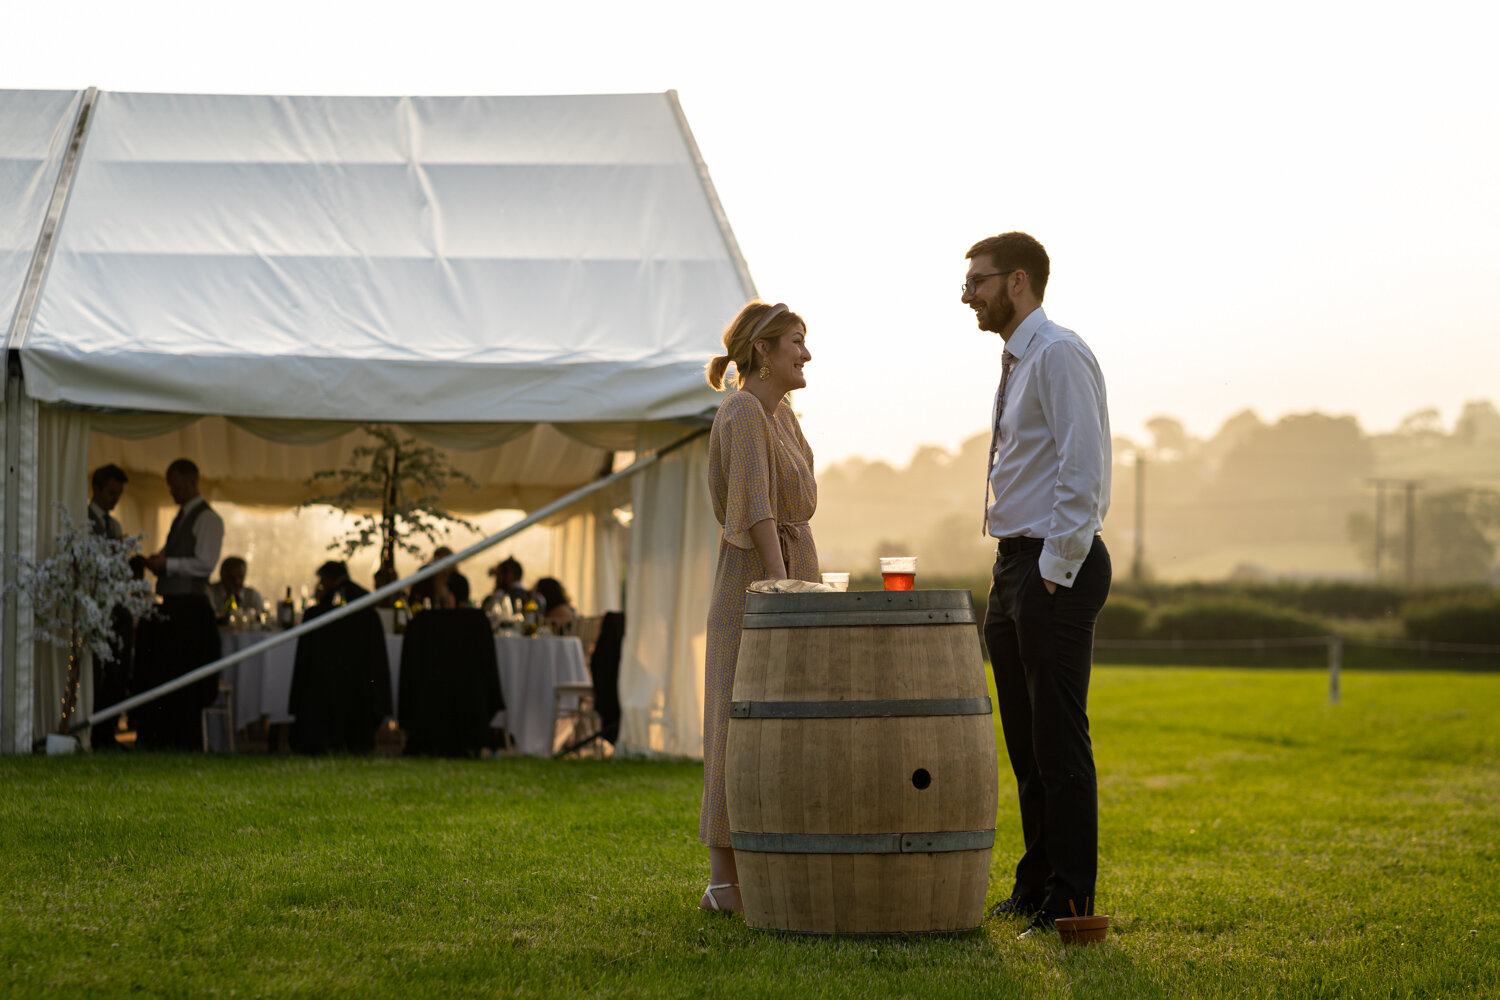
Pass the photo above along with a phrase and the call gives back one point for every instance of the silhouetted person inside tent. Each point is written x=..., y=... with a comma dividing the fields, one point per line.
x=111, y=676
x=341, y=679
x=184, y=637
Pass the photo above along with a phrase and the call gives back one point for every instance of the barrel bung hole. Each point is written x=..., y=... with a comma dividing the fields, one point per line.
x=920, y=779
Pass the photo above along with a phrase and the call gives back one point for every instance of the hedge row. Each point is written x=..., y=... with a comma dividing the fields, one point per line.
x=1326, y=599
x=1268, y=611
x=1471, y=619
x=1124, y=618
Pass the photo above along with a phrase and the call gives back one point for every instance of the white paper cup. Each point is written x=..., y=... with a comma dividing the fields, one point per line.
x=838, y=581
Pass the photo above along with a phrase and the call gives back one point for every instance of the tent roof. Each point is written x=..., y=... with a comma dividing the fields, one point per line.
x=468, y=259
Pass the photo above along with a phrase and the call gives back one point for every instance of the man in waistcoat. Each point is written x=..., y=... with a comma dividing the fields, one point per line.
x=186, y=638
x=112, y=676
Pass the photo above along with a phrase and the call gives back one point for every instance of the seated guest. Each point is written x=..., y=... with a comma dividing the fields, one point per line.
x=185, y=636
x=447, y=589
x=508, y=583
x=383, y=576
x=231, y=583
x=334, y=587
x=558, y=604
x=456, y=583
x=341, y=683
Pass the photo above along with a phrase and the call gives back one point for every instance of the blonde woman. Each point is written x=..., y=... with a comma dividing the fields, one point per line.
x=761, y=477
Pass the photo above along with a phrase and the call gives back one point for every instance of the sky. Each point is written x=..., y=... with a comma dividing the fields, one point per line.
x=1281, y=206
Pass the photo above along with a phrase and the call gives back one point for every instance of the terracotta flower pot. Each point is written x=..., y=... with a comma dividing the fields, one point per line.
x=1082, y=930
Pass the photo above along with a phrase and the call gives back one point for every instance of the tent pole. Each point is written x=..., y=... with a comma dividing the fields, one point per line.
x=370, y=600
x=46, y=243
x=10, y=545
x=712, y=193
x=15, y=397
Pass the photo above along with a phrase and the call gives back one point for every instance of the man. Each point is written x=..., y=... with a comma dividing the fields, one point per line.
x=187, y=638
x=455, y=583
x=508, y=575
x=106, y=486
x=232, y=573
x=111, y=677
x=341, y=679
x=1049, y=476
x=334, y=588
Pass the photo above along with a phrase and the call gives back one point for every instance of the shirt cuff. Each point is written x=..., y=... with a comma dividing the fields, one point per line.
x=1063, y=572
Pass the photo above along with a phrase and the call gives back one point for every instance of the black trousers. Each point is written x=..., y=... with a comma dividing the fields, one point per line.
x=181, y=638
x=1041, y=651
x=112, y=677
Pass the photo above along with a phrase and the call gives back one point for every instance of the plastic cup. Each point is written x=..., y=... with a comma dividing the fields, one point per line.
x=838, y=581
x=899, y=572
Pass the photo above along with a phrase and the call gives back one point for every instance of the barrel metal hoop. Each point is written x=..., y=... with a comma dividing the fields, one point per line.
x=939, y=842
x=826, y=619
x=885, y=708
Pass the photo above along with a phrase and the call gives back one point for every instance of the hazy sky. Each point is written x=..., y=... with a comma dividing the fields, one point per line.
x=1284, y=206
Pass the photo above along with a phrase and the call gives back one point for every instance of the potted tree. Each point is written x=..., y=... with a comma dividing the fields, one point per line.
x=392, y=487
x=73, y=594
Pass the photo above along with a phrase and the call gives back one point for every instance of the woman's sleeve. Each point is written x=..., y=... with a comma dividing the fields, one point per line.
x=745, y=448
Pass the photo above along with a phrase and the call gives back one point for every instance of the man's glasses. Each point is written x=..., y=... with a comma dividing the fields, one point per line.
x=972, y=285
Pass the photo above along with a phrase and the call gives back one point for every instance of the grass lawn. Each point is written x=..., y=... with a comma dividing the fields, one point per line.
x=1255, y=842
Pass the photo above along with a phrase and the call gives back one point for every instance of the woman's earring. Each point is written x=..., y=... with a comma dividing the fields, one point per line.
x=765, y=372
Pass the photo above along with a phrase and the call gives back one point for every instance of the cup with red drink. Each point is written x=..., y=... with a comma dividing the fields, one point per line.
x=899, y=572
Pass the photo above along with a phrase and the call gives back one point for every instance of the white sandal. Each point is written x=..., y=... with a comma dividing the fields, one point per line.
x=713, y=901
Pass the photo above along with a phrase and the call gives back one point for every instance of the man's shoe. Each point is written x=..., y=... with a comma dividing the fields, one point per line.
x=1014, y=906
x=1041, y=923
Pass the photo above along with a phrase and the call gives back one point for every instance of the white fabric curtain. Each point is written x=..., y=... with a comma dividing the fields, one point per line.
x=587, y=556
x=673, y=546
x=61, y=460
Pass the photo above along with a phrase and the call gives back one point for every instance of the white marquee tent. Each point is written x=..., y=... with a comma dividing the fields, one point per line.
x=529, y=283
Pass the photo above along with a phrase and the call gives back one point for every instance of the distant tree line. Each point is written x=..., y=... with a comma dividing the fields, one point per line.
x=1293, y=499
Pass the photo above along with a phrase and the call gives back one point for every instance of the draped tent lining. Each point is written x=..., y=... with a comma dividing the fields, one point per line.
x=269, y=463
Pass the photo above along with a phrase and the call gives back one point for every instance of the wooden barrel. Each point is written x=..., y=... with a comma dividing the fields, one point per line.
x=861, y=771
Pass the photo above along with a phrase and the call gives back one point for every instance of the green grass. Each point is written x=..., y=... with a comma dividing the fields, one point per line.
x=1255, y=842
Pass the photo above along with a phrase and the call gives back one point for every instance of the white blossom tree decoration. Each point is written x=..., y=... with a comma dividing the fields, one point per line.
x=73, y=595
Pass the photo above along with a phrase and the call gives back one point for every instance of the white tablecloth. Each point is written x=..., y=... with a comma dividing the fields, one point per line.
x=529, y=670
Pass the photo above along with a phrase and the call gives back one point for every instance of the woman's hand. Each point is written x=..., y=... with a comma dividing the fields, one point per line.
x=768, y=547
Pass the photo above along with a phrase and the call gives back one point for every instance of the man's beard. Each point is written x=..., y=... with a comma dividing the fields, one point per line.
x=998, y=314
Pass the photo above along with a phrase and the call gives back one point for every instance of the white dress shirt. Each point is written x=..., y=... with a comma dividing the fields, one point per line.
x=249, y=598
x=208, y=538
x=112, y=527
x=1052, y=465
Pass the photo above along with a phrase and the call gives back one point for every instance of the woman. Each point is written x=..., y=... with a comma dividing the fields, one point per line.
x=559, y=605
x=761, y=478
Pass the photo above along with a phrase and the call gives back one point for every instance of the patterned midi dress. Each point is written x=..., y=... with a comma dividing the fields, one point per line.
x=759, y=467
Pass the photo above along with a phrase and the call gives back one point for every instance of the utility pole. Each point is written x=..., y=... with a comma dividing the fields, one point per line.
x=1409, y=543
x=1379, y=524
x=1411, y=531
x=1138, y=563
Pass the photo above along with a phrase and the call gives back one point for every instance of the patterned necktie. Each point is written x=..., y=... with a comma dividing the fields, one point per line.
x=1007, y=364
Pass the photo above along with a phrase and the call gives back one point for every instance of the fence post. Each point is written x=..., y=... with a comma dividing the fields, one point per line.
x=1335, y=661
